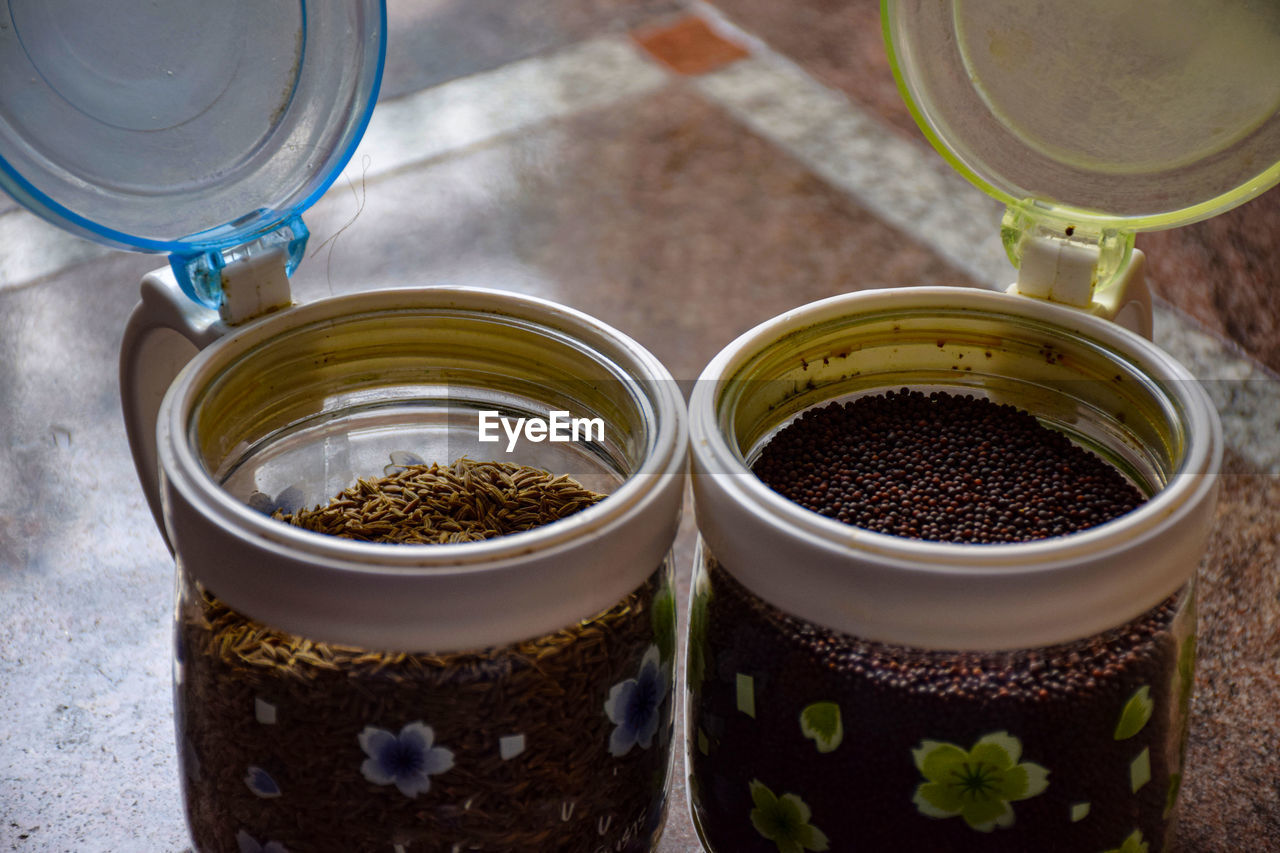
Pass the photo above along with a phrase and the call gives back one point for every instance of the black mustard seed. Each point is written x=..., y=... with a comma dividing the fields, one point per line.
x=942, y=467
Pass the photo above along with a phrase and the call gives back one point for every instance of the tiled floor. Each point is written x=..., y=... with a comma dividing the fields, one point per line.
x=682, y=179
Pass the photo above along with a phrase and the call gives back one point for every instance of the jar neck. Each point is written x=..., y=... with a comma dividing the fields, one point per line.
x=321, y=386
x=1107, y=388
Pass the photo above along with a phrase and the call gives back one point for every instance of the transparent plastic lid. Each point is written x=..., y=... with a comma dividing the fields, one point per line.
x=185, y=126
x=1132, y=114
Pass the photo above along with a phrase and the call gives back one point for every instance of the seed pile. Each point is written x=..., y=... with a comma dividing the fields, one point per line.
x=1061, y=702
x=434, y=504
x=942, y=467
x=269, y=722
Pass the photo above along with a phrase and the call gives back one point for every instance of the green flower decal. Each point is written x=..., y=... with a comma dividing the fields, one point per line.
x=1181, y=717
x=978, y=784
x=699, y=657
x=663, y=619
x=1171, y=794
x=820, y=722
x=1186, y=670
x=1132, y=844
x=784, y=821
x=1136, y=713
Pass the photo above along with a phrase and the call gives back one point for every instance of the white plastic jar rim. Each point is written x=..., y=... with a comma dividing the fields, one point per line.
x=952, y=595
x=440, y=598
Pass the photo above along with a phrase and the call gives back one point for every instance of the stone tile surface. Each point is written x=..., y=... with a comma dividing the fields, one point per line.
x=682, y=210
x=433, y=41
x=1230, y=793
x=839, y=42
x=87, y=761
x=1225, y=272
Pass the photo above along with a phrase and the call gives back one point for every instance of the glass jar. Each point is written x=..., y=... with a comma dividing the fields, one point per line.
x=508, y=694
x=855, y=690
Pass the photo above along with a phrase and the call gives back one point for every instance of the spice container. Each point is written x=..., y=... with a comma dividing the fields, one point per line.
x=830, y=663
x=508, y=693
x=860, y=673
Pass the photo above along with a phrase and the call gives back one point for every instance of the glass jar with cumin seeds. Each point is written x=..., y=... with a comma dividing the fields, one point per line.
x=341, y=686
x=863, y=676
x=422, y=536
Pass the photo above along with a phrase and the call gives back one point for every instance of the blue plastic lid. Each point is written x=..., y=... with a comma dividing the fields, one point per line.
x=186, y=127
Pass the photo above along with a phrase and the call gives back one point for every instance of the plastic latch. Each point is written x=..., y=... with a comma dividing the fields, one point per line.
x=1084, y=264
x=200, y=275
x=1057, y=269
x=1126, y=298
x=254, y=285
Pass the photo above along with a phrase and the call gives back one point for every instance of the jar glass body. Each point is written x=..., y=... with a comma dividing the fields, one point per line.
x=1074, y=746
x=848, y=688
x=521, y=746
x=510, y=693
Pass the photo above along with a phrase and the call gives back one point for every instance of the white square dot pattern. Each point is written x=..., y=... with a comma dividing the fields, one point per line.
x=264, y=712
x=510, y=746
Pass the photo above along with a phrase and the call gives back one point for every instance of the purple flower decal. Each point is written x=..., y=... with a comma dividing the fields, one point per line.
x=248, y=844
x=288, y=502
x=401, y=459
x=407, y=760
x=633, y=705
x=261, y=783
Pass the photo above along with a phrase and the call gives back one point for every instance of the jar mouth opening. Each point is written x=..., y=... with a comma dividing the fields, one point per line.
x=948, y=595
x=619, y=375
x=1081, y=356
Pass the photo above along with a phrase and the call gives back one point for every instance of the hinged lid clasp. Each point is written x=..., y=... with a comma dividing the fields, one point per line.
x=248, y=280
x=1080, y=264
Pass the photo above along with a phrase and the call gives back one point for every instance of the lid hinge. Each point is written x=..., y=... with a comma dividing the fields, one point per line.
x=1078, y=264
x=245, y=281
x=1057, y=269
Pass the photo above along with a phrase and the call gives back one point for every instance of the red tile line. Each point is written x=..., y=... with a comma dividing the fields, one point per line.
x=689, y=46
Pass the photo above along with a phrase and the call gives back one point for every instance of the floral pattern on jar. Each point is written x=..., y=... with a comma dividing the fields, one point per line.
x=563, y=737
x=986, y=752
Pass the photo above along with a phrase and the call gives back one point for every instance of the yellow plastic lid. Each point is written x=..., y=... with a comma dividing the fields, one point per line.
x=1118, y=115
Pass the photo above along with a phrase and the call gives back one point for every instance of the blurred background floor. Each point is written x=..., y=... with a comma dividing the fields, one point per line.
x=682, y=171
